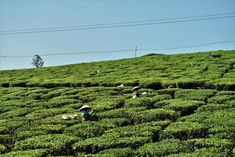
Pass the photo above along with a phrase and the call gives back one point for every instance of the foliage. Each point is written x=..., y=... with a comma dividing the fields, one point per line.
x=186, y=109
x=56, y=143
x=37, y=61
x=185, y=130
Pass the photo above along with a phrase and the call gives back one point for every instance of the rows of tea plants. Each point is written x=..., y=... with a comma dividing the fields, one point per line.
x=163, y=122
x=208, y=70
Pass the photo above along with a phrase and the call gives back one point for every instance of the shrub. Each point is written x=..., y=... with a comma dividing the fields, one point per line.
x=205, y=152
x=170, y=91
x=135, y=131
x=194, y=94
x=184, y=130
x=209, y=142
x=152, y=115
x=196, y=117
x=225, y=93
x=55, y=143
x=88, y=129
x=146, y=101
x=93, y=145
x=116, y=152
x=5, y=139
x=162, y=148
x=185, y=107
x=221, y=124
x=2, y=149
x=119, y=113
x=43, y=113
x=28, y=153
x=21, y=135
x=107, y=103
x=15, y=112
x=221, y=99
x=52, y=129
x=214, y=107
x=115, y=121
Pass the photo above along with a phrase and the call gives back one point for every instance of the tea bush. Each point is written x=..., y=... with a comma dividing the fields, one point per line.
x=209, y=142
x=162, y=148
x=188, y=108
x=2, y=149
x=185, y=130
x=205, y=152
x=185, y=107
x=214, y=107
x=221, y=99
x=194, y=94
x=96, y=144
x=88, y=129
x=221, y=123
x=55, y=143
x=152, y=115
x=146, y=101
x=116, y=152
x=28, y=153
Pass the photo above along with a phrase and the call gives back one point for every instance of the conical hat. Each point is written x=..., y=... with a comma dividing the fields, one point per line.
x=136, y=88
x=84, y=107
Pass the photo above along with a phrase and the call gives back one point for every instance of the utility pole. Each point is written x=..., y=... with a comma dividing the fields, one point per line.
x=135, y=50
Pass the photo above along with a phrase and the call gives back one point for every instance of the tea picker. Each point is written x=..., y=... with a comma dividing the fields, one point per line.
x=135, y=91
x=86, y=112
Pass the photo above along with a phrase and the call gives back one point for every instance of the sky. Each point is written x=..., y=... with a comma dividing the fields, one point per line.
x=76, y=31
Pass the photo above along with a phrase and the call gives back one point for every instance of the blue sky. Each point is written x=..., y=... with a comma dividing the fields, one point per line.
x=33, y=14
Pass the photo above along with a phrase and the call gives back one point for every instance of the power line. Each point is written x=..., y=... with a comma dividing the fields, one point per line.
x=201, y=45
x=120, y=24
x=124, y=50
x=114, y=23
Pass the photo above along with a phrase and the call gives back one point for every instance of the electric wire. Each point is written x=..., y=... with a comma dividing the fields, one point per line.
x=124, y=50
x=120, y=24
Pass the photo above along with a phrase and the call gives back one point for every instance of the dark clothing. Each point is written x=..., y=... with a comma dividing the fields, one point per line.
x=85, y=115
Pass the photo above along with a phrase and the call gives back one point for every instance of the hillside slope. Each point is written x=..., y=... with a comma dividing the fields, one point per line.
x=208, y=70
x=185, y=108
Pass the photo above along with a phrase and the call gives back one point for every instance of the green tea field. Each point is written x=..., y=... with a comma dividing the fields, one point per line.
x=186, y=108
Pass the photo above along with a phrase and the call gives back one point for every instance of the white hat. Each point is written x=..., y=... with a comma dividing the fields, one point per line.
x=84, y=107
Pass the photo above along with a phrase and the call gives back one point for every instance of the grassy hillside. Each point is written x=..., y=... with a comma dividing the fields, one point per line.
x=208, y=70
x=188, y=109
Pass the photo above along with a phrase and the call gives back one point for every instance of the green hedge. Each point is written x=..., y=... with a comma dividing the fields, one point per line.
x=116, y=152
x=185, y=107
x=89, y=129
x=146, y=101
x=221, y=123
x=205, y=152
x=15, y=112
x=152, y=115
x=194, y=94
x=135, y=131
x=105, y=103
x=28, y=153
x=170, y=91
x=94, y=145
x=221, y=99
x=43, y=113
x=214, y=107
x=209, y=142
x=2, y=149
x=24, y=134
x=119, y=113
x=185, y=130
x=162, y=148
x=56, y=143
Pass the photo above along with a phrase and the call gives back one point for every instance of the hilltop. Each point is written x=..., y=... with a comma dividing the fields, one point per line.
x=205, y=70
x=186, y=108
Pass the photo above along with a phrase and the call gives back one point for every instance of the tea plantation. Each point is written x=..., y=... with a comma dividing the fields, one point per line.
x=186, y=109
